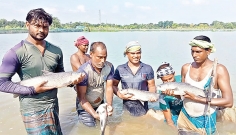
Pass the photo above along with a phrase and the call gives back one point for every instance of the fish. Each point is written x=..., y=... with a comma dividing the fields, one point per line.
x=180, y=87
x=103, y=115
x=140, y=94
x=56, y=80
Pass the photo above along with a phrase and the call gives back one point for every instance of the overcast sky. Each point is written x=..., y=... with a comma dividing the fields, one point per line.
x=125, y=11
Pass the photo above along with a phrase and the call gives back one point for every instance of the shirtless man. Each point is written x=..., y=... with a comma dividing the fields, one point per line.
x=80, y=57
x=195, y=115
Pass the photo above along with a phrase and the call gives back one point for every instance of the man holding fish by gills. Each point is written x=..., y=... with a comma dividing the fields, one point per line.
x=90, y=92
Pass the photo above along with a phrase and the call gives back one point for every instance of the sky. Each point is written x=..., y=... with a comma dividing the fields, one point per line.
x=124, y=11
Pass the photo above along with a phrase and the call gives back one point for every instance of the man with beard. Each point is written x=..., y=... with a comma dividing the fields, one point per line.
x=90, y=91
x=38, y=104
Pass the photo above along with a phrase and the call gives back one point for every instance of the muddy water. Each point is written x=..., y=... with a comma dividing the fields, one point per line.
x=121, y=123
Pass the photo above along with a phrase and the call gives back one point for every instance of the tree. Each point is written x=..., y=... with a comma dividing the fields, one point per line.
x=3, y=23
x=56, y=23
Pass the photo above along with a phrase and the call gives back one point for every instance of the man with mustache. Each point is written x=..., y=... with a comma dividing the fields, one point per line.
x=38, y=104
x=90, y=91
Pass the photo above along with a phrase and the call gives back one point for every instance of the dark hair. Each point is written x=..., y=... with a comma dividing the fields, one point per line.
x=204, y=38
x=38, y=14
x=94, y=46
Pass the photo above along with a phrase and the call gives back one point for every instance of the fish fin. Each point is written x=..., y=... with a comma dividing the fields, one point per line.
x=45, y=72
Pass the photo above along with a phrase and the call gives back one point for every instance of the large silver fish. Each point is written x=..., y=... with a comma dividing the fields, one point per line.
x=140, y=94
x=103, y=114
x=57, y=80
x=179, y=88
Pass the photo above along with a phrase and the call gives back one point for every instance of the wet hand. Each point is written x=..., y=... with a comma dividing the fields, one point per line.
x=39, y=88
x=152, y=99
x=78, y=80
x=190, y=95
x=125, y=96
x=169, y=92
x=109, y=110
x=96, y=116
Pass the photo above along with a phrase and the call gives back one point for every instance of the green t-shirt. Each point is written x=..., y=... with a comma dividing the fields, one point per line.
x=169, y=102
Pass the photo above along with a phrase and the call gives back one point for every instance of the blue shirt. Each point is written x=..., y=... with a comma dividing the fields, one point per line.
x=136, y=81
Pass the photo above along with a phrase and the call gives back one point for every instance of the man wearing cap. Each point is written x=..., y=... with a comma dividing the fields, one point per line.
x=80, y=57
x=196, y=115
x=134, y=74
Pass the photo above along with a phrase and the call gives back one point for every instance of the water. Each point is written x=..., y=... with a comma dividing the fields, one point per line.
x=156, y=47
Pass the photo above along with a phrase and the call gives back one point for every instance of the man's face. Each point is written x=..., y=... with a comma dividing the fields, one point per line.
x=98, y=57
x=168, y=78
x=38, y=30
x=134, y=57
x=83, y=48
x=199, y=54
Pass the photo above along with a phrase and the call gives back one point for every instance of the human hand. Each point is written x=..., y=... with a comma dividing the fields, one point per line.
x=39, y=88
x=109, y=110
x=96, y=116
x=124, y=95
x=152, y=99
x=78, y=80
x=190, y=95
x=169, y=92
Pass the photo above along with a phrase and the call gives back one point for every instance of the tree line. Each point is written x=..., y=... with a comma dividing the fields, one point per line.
x=161, y=25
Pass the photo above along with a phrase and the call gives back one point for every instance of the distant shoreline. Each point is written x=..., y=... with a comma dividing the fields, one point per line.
x=13, y=31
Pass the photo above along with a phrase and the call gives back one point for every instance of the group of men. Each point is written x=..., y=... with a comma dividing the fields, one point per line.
x=39, y=104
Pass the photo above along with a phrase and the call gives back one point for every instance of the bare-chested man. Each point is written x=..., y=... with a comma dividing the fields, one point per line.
x=80, y=57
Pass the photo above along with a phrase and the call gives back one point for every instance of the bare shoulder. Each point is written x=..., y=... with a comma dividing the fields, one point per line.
x=74, y=56
x=185, y=67
x=221, y=69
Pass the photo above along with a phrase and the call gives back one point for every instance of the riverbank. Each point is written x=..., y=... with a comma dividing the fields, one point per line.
x=12, y=31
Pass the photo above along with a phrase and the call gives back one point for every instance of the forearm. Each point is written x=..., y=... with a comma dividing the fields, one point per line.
x=223, y=102
x=87, y=107
x=115, y=90
x=168, y=117
x=152, y=89
x=109, y=96
x=151, y=86
x=11, y=87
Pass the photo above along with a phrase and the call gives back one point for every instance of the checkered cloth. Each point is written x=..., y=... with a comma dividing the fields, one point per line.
x=165, y=71
x=45, y=122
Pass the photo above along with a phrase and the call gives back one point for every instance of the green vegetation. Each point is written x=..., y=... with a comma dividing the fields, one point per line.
x=15, y=26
